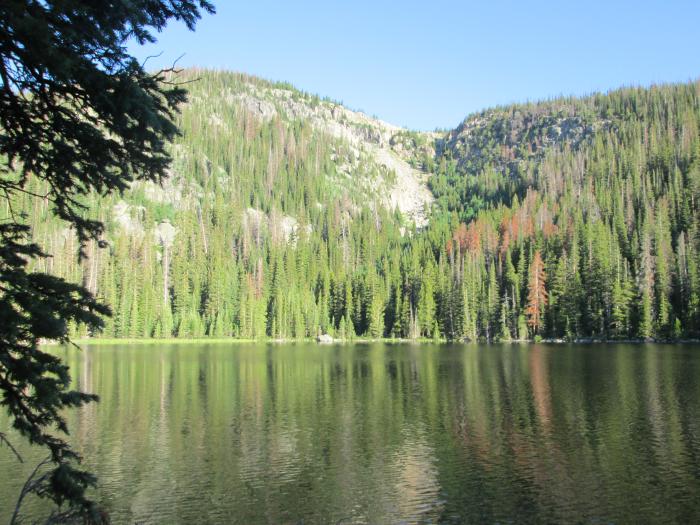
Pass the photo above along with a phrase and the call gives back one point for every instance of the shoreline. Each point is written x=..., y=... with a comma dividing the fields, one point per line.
x=96, y=341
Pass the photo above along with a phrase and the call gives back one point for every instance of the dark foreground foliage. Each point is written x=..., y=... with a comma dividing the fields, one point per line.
x=78, y=113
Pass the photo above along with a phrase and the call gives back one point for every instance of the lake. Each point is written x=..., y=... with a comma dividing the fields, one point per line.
x=386, y=433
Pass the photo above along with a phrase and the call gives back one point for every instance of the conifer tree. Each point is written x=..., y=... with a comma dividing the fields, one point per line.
x=78, y=115
x=537, y=294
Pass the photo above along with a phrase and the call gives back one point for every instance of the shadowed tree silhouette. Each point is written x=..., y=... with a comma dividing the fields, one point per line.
x=80, y=114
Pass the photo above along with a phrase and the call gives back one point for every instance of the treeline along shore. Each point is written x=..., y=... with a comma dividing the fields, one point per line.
x=287, y=216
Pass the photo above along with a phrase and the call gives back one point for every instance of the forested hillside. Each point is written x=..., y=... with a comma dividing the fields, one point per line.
x=286, y=215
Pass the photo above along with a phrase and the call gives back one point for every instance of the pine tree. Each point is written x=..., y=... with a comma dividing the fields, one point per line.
x=78, y=115
x=537, y=294
x=646, y=288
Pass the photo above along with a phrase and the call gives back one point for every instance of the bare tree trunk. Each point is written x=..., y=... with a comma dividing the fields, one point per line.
x=201, y=227
x=166, y=270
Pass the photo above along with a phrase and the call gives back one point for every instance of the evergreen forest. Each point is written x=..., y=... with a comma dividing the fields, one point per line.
x=288, y=216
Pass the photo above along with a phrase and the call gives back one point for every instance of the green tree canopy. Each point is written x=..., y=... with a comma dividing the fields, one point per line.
x=82, y=115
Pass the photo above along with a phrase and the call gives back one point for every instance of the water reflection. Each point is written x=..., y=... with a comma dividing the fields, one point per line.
x=388, y=433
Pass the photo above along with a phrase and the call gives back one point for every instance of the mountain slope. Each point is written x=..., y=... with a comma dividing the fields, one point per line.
x=286, y=215
x=372, y=160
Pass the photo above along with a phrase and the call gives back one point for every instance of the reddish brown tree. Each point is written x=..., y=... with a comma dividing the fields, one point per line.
x=537, y=293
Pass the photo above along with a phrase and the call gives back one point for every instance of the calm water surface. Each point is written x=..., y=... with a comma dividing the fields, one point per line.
x=301, y=433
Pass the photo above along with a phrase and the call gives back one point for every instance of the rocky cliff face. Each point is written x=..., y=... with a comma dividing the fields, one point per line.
x=503, y=137
x=379, y=159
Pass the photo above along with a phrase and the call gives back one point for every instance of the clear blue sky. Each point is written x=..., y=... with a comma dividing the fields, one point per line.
x=428, y=64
